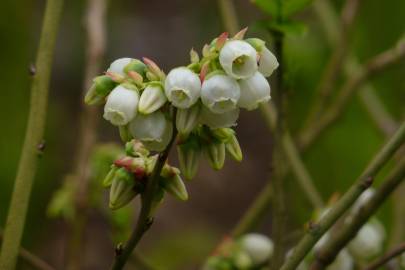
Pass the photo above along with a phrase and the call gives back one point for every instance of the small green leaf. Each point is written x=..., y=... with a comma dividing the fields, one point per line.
x=292, y=28
x=293, y=6
x=267, y=6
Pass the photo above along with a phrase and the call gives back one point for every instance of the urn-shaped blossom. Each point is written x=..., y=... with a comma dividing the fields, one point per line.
x=219, y=120
x=267, y=62
x=121, y=105
x=182, y=87
x=152, y=98
x=239, y=59
x=259, y=247
x=118, y=65
x=253, y=91
x=220, y=93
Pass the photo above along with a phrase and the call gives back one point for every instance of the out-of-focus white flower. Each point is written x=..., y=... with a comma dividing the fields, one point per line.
x=369, y=241
x=267, y=62
x=363, y=199
x=121, y=105
x=259, y=247
x=220, y=93
x=182, y=87
x=342, y=261
x=154, y=130
x=253, y=91
x=238, y=59
x=118, y=65
x=219, y=120
x=152, y=99
x=187, y=119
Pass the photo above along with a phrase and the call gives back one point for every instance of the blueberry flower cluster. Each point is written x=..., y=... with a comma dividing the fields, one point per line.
x=200, y=102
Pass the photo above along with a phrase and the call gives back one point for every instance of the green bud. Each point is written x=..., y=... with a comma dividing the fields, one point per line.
x=194, y=57
x=110, y=176
x=175, y=186
x=135, y=148
x=187, y=119
x=215, y=154
x=125, y=135
x=233, y=148
x=189, y=157
x=137, y=66
x=102, y=86
x=218, y=263
x=123, y=189
x=223, y=134
x=242, y=260
x=256, y=43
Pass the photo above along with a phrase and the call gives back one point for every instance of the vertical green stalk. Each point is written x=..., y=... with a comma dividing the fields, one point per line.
x=33, y=145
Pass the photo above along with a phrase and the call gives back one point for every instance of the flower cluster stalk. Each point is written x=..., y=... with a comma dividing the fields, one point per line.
x=33, y=142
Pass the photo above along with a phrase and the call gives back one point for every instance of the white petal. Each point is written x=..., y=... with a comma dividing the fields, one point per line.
x=267, y=62
x=220, y=93
x=160, y=145
x=182, y=87
x=253, y=91
x=121, y=105
x=118, y=65
x=150, y=127
x=221, y=120
x=238, y=59
x=152, y=99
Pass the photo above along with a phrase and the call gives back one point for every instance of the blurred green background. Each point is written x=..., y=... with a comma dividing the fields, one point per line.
x=165, y=31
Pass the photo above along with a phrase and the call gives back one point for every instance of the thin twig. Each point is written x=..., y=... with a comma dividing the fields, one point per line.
x=335, y=63
x=340, y=238
x=144, y=220
x=229, y=17
x=316, y=231
x=33, y=142
x=371, y=68
x=31, y=258
x=94, y=21
x=397, y=251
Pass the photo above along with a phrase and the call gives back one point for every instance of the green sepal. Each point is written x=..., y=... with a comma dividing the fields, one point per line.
x=137, y=66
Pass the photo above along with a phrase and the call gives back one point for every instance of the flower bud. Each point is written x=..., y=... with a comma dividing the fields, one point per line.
x=135, y=148
x=238, y=59
x=125, y=135
x=152, y=98
x=215, y=154
x=187, y=119
x=189, y=157
x=256, y=43
x=369, y=241
x=137, y=66
x=218, y=263
x=102, y=86
x=233, y=148
x=121, y=105
x=259, y=247
x=242, y=260
x=254, y=90
x=110, y=176
x=119, y=65
x=223, y=134
x=267, y=62
x=123, y=189
x=342, y=261
x=220, y=93
x=221, y=120
x=135, y=165
x=182, y=87
x=152, y=129
x=175, y=186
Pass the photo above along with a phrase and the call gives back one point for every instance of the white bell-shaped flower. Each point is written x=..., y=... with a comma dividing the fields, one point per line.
x=218, y=120
x=154, y=130
x=239, y=59
x=259, y=247
x=267, y=62
x=220, y=93
x=118, y=65
x=121, y=105
x=152, y=99
x=182, y=87
x=369, y=241
x=342, y=261
x=253, y=91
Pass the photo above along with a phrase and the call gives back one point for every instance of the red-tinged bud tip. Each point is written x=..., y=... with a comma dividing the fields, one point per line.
x=135, y=76
x=221, y=40
x=241, y=33
x=203, y=72
x=150, y=63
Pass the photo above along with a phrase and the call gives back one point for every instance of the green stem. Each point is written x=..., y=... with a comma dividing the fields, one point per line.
x=316, y=231
x=144, y=220
x=341, y=237
x=229, y=17
x=33, y=144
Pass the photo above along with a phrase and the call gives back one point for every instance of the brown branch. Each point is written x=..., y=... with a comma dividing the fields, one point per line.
x=371, y=68
x=387, y=257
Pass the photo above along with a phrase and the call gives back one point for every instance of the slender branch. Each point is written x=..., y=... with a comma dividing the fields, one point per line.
x=372, y=67
x=33, y=142
x=335, y=63
x=144, y=220
x=229, y=17
x=373, y=105
x=316, y=231
x=31, y=258
x=340, y=238
x=94, y=19
x=397, y=251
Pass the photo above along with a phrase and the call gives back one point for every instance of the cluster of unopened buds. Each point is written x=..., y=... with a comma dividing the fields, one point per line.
x=199, y=102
